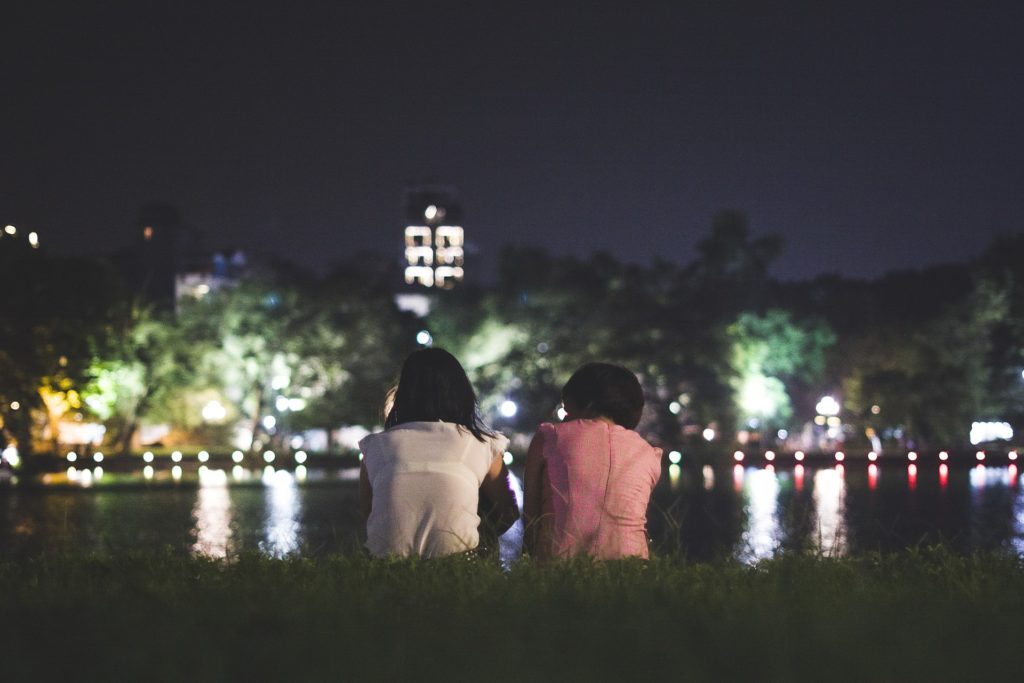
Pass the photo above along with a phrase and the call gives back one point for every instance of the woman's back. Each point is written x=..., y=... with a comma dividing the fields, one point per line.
x=599, y=479
x=426, y=478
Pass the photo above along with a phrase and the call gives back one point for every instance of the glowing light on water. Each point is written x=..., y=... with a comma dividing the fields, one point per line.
x=147, y=471
x=147, y=457
x=872, y=476
x=281, y=530
x=798, y=477
x=799, y=456
x=673, y=476
x=943, y=475
x=176, y=456
x=239, y=473
x=675, y=457
x=237, y=456
x=737, y=477
x=85, y=478
x=300, y=457
x=507, y=458
x=176, y=472
x=762, y=535
x=829, y=507
x=708, y=473
x=300, y=473
x=97, y=473
x=977, y=477
x=1011, y=473
x=912, y=476
x=212, y=515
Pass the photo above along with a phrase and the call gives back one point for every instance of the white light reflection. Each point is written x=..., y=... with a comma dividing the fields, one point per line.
x=212, y=515
x=673, y=477
x=709, y=477
x=510, y=543
x=761, y=537
x=829, y=508
x=281, y=530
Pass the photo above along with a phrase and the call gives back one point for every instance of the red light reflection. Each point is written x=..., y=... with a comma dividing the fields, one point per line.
x=943, y=475
x=1012, y=472
x=872, y=476
x=798, y=477
x=737, y=477
x=912, y=476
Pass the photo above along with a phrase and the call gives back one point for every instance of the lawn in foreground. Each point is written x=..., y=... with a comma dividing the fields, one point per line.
x=921, y=615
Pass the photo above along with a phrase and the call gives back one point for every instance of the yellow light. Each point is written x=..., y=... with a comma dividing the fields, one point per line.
x=33, y=240
x=15, y=405
x=11, y=230
x=147, y=471
x=147, y=232
x=72, y=456
x=176, y=472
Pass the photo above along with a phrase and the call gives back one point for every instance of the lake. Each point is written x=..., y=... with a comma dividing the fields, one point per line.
x=703, y=512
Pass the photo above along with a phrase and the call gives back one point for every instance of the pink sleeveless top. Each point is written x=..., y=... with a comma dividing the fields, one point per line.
x=600, y=477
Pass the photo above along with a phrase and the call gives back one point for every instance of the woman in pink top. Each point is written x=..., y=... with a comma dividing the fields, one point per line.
x=589, y=479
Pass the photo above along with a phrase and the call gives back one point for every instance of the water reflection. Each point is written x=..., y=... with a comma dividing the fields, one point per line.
x=510, y=545
x=762, y=535
x=674, y=472
x=212, y=515
x=281, y=530
x=829, y=510
x=872, y=476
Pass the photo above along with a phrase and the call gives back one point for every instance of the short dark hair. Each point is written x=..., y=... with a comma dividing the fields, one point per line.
x=433, y=386
x=606, y=390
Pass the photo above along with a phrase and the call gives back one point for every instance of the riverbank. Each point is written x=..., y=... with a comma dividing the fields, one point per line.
x=922, y=615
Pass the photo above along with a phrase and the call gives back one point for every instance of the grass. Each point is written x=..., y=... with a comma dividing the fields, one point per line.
x=919, y=615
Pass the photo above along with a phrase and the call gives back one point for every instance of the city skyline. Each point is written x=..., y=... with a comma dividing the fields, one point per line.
x=872, y=138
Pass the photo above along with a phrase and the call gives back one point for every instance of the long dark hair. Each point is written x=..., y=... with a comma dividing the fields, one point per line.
x=433, y=386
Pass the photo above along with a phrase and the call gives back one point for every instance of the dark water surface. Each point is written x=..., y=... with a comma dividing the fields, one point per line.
x=703, y=512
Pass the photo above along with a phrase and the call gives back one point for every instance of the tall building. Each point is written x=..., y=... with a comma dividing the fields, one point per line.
x=434, y=240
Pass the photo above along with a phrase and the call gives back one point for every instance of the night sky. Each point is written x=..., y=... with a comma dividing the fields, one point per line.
x=872, y=136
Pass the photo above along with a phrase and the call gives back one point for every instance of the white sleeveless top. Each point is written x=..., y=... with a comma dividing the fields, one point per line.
x=426, y=479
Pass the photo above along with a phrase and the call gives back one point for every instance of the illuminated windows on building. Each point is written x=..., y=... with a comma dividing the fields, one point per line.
x=434, y=247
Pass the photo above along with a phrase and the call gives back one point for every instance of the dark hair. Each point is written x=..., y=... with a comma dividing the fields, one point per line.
x=433, y=386
x=605, y=390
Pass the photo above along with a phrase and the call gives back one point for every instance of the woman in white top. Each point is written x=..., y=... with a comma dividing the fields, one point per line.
x=421, y=479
